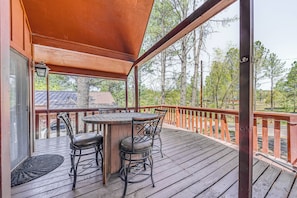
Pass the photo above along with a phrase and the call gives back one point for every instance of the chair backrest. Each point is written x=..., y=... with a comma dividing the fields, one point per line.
x=161, y=113
x=65, y=118
x=106, y=110
x=143, y=130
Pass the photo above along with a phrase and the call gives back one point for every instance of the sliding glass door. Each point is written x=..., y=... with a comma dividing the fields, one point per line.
x=19, y=121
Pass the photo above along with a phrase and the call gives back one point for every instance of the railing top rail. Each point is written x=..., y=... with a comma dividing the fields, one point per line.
x=257, y=114
x=39, y=111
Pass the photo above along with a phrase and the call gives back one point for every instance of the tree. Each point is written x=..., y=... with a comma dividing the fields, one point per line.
x=288, y=87
x=56, y=83
x=161, y=22
x=260, y=60
x=222, y=83
x=82, y=92
x=216, y=81
x=181, y=8
x=273, y=70
x=232, y=64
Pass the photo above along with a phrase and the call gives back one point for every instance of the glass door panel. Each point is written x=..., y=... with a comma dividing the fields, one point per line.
x=19, y=119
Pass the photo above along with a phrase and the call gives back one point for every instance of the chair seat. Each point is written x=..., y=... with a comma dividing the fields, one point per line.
x=126, y=144
x=87, y=139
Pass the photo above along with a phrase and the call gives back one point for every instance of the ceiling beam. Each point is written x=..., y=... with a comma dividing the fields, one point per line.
x=80, y=47
x=198, y=17
x=85, y=72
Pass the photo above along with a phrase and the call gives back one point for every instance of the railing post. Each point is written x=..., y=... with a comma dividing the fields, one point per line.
x=222, y=127
x=264, y=136
x=177, y=117
x=76, y=123
x=210, y=125
x=216, y=126
x=37, y=126
x=292, y=137
x=48, y=125
x=277, y=138
x=236, y=130
x=255, y=135
x=58, y=125
x=201, y=126
x=205, y=123
x=196, y=119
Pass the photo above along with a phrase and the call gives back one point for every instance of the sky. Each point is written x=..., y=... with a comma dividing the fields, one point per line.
x=275, y=25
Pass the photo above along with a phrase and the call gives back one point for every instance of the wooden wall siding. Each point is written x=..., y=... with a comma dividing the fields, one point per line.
x=20, y=30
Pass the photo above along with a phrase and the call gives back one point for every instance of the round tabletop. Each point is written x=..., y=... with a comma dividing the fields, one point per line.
x=115, y=118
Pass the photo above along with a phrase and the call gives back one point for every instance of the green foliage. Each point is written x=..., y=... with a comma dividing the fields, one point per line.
x=222, y=83
x=56, y=83
x=260, y=60
x=288, y=88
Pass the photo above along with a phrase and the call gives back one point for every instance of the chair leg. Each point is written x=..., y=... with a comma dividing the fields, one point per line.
x=150, y=158
x=72, y=164
x=97, y=149
x=160, y=145
x=125, y=169
x=74, y=168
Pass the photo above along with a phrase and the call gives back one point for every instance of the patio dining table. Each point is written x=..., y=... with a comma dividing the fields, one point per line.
x=115, y=127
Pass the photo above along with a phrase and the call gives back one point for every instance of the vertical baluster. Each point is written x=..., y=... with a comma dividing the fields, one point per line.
x=58, y=125
x=222, y=127
x=196, y=118
x=264, y=136
x=216, y=126
x=183, y=119
x=210, y=125
x=277, y=138
x=236, y=130
x=205, y=123
x=292, y=137
x=76, y=123
x=37, y=126
x=255, y=135
x=177, y=116
x=227, y=129
x=201, y=117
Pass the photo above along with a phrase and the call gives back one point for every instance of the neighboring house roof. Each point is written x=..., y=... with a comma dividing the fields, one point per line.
x=68, y=99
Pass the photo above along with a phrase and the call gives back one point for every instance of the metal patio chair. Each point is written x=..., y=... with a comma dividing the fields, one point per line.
x=82, y=145
x=161, y=113
x=136, y=151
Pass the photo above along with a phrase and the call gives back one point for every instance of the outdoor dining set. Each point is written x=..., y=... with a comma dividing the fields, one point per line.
x=123, y=144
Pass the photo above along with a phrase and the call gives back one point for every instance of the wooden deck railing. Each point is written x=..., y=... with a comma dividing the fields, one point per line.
x=274, y=134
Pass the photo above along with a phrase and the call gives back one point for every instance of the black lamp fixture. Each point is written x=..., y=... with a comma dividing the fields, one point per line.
x=41, y=69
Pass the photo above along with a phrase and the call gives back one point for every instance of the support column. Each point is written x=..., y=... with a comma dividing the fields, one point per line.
x=136, y=88
x=246, y=100
x=126, y=94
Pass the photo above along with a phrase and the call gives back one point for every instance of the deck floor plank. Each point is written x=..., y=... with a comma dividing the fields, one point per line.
x=193, y=165
x=282, y=185
x=265, y=181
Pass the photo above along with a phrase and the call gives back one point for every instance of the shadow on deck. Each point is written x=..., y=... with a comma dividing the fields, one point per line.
x=193, y=166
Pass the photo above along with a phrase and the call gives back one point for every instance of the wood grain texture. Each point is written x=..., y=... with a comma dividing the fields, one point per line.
x=193, y=165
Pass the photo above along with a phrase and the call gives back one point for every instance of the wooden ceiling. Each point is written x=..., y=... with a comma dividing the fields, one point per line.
x=98, y=36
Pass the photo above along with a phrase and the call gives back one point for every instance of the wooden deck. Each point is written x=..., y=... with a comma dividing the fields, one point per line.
x=193, y=166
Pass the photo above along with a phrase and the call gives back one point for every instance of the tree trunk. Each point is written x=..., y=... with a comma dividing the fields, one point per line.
x=196, y=50
x=82, y=92
x=82, y=97
x=271, y=95
x=183, y=81
x=163, y=71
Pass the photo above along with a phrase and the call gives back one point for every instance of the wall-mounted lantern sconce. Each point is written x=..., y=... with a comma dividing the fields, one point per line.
x=41, y=69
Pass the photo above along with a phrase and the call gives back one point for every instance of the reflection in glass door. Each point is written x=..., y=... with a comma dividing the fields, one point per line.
x=19, y=122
